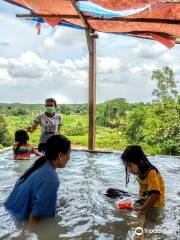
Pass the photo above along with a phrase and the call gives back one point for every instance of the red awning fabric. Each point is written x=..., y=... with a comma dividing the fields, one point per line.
x=124, y=4
x=125, y=27
x=160, y=18
x=55, y=7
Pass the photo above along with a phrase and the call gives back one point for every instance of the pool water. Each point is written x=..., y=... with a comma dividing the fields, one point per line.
x=87, y=213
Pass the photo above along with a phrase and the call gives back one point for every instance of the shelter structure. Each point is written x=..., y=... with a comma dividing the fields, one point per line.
x=150, y=19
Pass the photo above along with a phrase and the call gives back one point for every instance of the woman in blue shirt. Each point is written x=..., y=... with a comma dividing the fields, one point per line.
x=34, y=195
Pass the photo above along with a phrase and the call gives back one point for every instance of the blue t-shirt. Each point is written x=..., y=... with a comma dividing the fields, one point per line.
x=36, y=195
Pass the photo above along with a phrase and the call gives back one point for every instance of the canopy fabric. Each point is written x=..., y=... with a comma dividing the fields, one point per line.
x=157, y=19
x=57, y=21
x=98, y=11
x=157, y=9
x=55, y=7
x=124, y=4
x=116, y=27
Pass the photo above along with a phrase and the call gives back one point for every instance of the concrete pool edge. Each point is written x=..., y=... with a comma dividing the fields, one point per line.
x=74, y=148
x=5, y=149
x=79, y=148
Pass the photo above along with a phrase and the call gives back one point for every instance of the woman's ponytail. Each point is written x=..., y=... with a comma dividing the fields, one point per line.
x=55, y=145
x=37, y=164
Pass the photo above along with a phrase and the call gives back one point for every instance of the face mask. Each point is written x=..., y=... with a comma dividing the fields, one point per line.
x=50, y=109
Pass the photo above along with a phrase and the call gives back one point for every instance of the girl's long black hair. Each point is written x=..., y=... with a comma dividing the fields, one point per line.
x=135, y=154
x=55, y=145
x=21, y=136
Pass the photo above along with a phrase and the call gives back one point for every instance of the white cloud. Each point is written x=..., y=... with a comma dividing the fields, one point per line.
x=55, y=63
x=63, y=43
x=3, y=62
x=135, y=69
x=5, y=79
x=29, y=65
x=59, y=98
x=149, y=50
x=108, y=64
x=68, y=81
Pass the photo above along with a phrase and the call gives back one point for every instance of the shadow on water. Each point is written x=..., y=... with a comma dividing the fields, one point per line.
x=86, y=213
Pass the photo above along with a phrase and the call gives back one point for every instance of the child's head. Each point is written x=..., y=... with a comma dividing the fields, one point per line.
x=50, y=105
x=135, y=161
x=50, y=102
x=21, y=136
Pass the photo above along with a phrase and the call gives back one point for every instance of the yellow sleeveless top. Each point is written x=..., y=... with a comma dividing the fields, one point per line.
x=152, y=182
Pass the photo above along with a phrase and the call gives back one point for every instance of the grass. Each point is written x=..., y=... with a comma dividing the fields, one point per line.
x=106, y=138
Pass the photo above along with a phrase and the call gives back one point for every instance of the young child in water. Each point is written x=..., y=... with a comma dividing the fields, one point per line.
x=152, y=190
x=22, y=149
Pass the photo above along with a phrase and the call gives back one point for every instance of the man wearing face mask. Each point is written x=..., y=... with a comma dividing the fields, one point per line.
x=49, y=121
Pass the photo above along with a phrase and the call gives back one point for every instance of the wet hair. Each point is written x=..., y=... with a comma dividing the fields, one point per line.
x=51, y=100
x=55, y=145
x=134, y=154
x=21, y=137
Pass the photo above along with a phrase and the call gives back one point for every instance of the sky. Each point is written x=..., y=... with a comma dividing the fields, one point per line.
x=55, y=63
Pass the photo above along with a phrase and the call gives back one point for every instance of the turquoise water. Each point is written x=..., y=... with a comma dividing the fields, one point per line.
x=87, y=213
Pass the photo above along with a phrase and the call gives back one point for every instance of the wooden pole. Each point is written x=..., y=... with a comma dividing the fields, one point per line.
x=118, y=19
x=92, y=90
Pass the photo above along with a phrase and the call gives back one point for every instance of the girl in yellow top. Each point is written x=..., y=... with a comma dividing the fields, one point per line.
x=152, y=190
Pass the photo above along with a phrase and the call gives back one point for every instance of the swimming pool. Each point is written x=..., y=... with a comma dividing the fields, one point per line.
x=87, y=213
